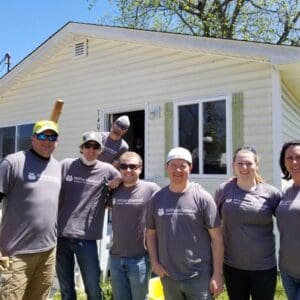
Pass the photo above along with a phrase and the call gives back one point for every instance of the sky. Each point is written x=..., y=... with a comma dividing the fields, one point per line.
x=25, y=24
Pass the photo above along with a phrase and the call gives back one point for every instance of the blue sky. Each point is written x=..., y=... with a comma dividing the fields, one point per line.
x=25, y=24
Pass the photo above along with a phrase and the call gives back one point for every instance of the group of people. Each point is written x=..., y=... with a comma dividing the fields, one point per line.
x=53, y=214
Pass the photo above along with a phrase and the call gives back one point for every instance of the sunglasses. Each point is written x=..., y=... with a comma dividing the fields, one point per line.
x=121, y=126
x=90, y=145
x=130, y=166
x=44, y=137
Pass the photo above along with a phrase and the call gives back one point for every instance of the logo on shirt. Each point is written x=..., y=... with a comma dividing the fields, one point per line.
x=69, y=178
x=32, y=176
x=161, y=211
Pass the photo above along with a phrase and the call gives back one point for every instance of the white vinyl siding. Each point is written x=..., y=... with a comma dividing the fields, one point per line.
x=291, y=116
x=118, y=76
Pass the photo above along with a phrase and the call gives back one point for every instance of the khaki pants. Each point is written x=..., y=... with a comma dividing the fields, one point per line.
x=29, y=277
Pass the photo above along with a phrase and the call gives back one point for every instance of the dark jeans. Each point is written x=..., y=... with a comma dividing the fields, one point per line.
x=291, y=286
x=241, y=284
x=87, y=257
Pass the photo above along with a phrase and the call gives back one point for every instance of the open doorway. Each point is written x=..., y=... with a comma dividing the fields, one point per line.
x=135, y=136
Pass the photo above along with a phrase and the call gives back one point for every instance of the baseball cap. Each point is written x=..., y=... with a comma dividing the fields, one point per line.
x=91, y=136
x=179, y=153
x=124, y=121
x=44, y=125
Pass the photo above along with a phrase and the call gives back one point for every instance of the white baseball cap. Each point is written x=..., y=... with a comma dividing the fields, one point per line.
x=180, y=153
x=124, y=121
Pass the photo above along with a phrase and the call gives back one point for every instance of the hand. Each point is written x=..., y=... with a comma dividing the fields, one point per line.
x=4, y=263
x=159, y=270
x=216, y=285
x=114, y=183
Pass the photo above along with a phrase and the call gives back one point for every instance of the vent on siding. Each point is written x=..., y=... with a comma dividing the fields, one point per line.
x=80, y=49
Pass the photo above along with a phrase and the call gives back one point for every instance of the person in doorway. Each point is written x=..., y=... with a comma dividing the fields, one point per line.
x=30, y=183
x=129, y=261
x=113, y=143
x=247, y=205
x=184, y=236
x=288, y=220
x=80, y=217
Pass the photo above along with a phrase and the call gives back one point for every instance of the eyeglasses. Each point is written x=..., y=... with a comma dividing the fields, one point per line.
x=91, y=145
x=130, y=166
x=121, y=126
x=44, y=137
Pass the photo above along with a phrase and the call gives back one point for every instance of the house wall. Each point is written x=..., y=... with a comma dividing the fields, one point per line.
x=291, y=116
x=118, y=76
x=290, y=120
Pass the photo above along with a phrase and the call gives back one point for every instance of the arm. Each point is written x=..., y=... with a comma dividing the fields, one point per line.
x=151, y=241
x=216, y=281
x=114, y=183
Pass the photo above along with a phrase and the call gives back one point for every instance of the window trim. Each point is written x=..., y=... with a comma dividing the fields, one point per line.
x=200, y=101
x=16, y=129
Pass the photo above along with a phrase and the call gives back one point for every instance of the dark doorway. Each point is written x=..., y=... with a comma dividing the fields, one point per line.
x=135, y=136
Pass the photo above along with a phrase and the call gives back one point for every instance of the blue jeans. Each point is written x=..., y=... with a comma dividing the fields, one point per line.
x=291, y=286
x=129, y=277
x=87, y=258
x=196, y=288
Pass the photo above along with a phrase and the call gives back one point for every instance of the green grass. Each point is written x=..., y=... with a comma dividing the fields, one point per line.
x=107, y=293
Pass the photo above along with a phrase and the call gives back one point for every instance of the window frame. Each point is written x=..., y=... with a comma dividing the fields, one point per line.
x=200, y=102
x=17, y=132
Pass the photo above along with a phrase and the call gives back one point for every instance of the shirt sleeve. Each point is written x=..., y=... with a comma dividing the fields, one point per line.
x=212, y=217
x=6, y=177
x=150, y=222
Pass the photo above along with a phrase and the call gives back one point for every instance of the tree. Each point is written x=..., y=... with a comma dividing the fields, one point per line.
x=274, y=21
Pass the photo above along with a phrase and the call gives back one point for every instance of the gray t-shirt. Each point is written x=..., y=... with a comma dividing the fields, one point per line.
x=112, y=149
x=81, y=213
x=247, y=216
x=288, y=220
x=181, y=221
x=31, y=185
x=128, y=218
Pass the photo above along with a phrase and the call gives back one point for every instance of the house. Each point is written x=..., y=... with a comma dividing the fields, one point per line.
x=209, y=95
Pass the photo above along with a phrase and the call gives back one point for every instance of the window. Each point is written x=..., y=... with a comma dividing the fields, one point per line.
x=15, y=138
x=203, y=129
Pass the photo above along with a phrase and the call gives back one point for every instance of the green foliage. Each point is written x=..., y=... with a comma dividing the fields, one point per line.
x=107, y=292
x=276, y=21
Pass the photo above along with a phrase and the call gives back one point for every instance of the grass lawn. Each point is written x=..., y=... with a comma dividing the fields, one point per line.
x=107, y=295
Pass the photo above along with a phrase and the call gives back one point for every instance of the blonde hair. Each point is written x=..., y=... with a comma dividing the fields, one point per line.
x=258, y=177
x=131, y=154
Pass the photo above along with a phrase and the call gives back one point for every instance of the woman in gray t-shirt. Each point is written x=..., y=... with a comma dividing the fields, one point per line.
x=288, y=220
x=247, y=205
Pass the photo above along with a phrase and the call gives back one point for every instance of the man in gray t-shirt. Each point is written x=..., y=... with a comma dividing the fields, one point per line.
x=113, y=143
x=183, y=234
x=130, y=266
x=80, y=217
x=30, y=182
